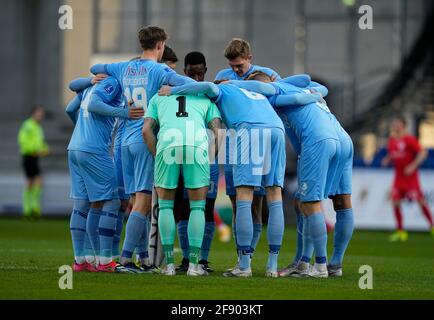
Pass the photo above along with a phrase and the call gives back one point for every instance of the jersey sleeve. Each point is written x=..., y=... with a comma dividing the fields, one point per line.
x=108, y=89
x=414, y=144
x=152, y=111
x=115, y=69
x=212, y=112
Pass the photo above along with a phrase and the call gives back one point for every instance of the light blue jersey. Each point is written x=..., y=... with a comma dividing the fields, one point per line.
x=92, y=132
x=239, y=106
x=140, y=81
x=229, y=74
x=307, y=124
x=119, y=132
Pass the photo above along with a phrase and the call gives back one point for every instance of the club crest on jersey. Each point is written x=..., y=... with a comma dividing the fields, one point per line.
x=109, y=88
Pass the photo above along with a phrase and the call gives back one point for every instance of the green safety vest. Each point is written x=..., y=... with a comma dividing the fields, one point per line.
x=31, y=138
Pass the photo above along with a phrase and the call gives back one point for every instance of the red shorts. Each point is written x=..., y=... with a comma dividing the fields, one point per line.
x=413, y=193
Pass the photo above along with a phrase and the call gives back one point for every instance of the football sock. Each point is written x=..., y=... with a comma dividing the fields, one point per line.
x=35, y=197
x=107, y=229
x=133, y=232
x=244, y=225
x=318, y=232
x=275, y=231
x=398, y=218
x=167, y=228
x=193, y=255
x=27, y=202
x=299, y=248
x=207, y=240
x=308, y=248
x=427, y=214
x=77, y=226
x=142, y=247
x=196, y=228
x=343, y=232
x=244, y=259
x=92, y=229
x=183, y=237
x=257, y=228
x=118, y=234
x=88, y=250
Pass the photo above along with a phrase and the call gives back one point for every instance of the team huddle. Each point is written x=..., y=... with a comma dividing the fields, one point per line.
x=140, y=127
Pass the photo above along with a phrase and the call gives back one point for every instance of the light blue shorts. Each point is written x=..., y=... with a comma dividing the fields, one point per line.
x=93, y=176
x=316, y=170
x=117, y=156
x=137, y=168
x=261, y=157
x=342, y=182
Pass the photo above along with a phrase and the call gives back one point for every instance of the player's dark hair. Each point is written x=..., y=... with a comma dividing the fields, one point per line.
x=36, y=108
x=401, y=119
x=149, y=37
x=237, y=48
x=194, y=58
x=169, y=55
x=259, y=76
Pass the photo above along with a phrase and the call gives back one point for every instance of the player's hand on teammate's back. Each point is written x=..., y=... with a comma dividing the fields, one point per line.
x=98, y=78
x=165, y=91
x=136, y=113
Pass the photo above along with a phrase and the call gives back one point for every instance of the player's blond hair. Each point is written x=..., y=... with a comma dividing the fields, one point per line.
x=237, y=47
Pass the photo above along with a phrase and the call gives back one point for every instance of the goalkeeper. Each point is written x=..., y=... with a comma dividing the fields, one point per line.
x=182, y=145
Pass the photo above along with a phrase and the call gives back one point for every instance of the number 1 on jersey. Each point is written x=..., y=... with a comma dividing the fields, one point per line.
x=181, y=107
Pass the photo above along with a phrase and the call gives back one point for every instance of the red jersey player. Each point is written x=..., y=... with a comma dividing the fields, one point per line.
x=406, y=155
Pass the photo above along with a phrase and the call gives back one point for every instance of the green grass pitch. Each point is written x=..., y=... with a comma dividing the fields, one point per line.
x=31, y=253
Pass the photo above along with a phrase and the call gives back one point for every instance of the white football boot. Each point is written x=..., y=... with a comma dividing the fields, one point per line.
x=169, y=270
x=319, y=270
x=237, y=272
x=196, y=270
x=301, y=270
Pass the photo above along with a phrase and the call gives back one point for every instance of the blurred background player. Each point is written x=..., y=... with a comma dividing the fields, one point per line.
x=169, y=57
x=239, y=55
x=32, y=146
x=406, y=155
x=186, y=153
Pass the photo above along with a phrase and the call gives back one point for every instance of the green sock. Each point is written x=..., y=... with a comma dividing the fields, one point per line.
x=27, y=204
x=168, y=253
x=196, y=228
x=193, y=255
x=167, y=228
x=36, y=192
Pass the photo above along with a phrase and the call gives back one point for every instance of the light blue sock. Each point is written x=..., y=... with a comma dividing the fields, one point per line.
x=275, y=229
x=88, y=250
x=308, y=248
x=142, y=248
x=92, y=229
x=107, y=229
x=133, y=232
x=343, y=232
x=244, y=230
x=257, y=229
x=77, y=226
x=299, y=248
x=183, y=237
x=244, y=225
x=318, y=231
x=207, y=239
x=118, y=234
